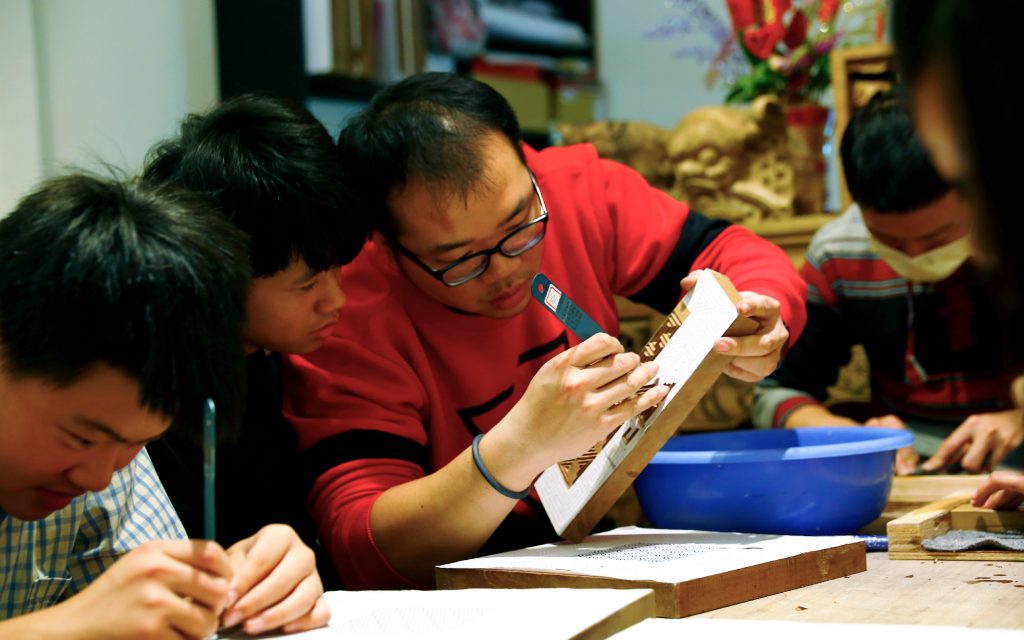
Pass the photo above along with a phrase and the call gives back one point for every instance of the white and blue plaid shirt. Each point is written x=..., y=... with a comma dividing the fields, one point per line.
x=46, y=561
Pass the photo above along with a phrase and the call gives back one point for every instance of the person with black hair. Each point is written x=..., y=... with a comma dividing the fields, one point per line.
x=431, y=410
x=272, y=170
x=120, y=313
x=957, y=56
x=895, y=274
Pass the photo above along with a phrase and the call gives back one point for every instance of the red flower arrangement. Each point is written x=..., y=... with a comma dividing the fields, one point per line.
x=787, y=44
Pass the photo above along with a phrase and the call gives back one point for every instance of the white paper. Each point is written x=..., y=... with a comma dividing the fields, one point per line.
x=711, y=313
x=655, y=629
x=661, y=555
x=531, y=614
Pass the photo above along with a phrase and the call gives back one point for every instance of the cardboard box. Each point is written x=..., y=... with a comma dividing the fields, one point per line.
x=529, y=97
x=577, y=104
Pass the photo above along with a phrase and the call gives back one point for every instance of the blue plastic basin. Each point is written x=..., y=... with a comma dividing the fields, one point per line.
x=820, y=481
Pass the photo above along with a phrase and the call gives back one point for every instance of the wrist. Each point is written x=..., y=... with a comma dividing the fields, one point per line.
x=509, y=460
x=56, y=622
x=809, y=415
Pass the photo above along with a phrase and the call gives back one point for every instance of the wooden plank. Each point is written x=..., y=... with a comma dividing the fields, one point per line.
x=684, y=597
x=976, y=519
x=959, y=594
x=908, y=532
x=910, y=492
x=622, y=619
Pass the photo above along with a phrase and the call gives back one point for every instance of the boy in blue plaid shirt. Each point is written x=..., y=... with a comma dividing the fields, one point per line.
x=121, y=311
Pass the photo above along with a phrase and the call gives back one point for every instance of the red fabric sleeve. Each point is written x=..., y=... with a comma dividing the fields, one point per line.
x=755, y=264
x=351, y=401
x=645, y=226
x=343, y=498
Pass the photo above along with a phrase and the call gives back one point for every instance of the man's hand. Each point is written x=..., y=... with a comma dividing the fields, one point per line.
x=755, y=356
x=575, y=400
x=981, y=443
x=906, y=458
x=164, y=589
x=275, y=583
x=1002, y=490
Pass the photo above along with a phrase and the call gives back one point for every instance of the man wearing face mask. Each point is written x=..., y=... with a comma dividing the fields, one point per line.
x=895, y=273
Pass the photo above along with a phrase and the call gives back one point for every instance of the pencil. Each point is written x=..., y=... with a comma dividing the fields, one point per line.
x=209, y=470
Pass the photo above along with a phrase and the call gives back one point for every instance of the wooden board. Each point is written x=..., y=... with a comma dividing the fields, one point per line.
x=694, y=592
x=976, y=519
x=937, y=518
x=917, y=592
x=911, y=492
x=578, y=493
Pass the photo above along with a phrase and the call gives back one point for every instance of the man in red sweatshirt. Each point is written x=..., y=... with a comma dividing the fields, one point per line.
x=441, y=355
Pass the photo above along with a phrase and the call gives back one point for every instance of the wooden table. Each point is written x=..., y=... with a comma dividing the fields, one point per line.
x=955, y=593
x=962, y=594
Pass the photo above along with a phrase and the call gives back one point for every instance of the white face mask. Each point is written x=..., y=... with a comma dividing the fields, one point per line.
x=932, y=266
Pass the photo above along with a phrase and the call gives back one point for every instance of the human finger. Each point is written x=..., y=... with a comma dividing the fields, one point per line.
x=626, y=385
x=636, y=405
x=906, y=461
x=274, y=565
x=758, y=344
x=294, y=606
x=739, y=373
x=1002, y=482
x=758, y=306
x=593, y=349
x=206, y=555
x=190, y=619
x=976, y=452
x=690, y=281
x=607, y=370
x=759, y=367
x=949, y=449
x=318, y=617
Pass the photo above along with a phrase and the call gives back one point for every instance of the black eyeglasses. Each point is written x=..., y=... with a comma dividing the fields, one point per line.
x=514, y=244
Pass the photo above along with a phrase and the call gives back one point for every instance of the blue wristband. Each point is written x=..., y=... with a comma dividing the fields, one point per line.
x=497, y=486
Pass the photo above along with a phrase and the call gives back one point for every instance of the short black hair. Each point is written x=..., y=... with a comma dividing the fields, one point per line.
x=426, y=127
x=272, y=169
x=887, y=169
x=95, y=271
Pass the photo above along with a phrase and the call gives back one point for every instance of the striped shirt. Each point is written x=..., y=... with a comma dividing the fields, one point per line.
x=934, y=348
x=49, y=560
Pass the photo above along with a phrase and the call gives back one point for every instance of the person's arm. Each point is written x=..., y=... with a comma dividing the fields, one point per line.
x=655, y=244
x=816, y=415
x=163, y=589
x=792, y=396
x=569, y=405
x=656, y=241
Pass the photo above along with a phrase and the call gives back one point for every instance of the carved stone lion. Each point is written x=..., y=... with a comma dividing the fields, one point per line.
x=742, y=164
x=639, y=145
x=734, y=162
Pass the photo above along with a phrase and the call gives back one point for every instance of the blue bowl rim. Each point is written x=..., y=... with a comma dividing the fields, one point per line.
x=881, y=439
